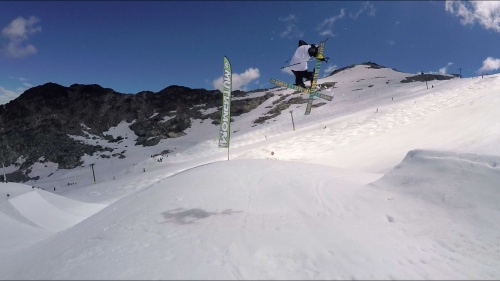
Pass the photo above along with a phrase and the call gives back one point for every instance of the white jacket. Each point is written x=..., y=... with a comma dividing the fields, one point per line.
x=300, y=58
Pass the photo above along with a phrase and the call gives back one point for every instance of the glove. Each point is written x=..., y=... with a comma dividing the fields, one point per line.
x=321, y=58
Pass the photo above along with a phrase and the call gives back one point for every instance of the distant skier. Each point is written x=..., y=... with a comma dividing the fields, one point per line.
x=298, y=63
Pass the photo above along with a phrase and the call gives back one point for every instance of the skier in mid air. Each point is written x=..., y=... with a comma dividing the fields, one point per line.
x=298, y=63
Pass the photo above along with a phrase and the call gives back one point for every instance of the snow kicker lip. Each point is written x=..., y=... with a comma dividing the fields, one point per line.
x=53, y=212
x=444, y=177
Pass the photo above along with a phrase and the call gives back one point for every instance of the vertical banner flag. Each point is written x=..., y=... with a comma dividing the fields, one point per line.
x=225, y=118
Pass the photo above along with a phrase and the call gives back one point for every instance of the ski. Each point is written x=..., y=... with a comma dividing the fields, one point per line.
x=301, y=89
x=309, y=104
x=315, y=78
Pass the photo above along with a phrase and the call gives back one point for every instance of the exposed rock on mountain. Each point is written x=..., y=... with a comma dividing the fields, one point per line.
x=426, y=77
x=38, y=125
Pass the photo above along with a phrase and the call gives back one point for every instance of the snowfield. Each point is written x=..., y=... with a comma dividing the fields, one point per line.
x=387, y=181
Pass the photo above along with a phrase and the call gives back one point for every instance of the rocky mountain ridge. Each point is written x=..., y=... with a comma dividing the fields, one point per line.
x=36, y=126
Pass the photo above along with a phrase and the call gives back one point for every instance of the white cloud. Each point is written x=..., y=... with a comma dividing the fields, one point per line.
x=330, y=69
x=239, y=81
x=17, y=33
x=326, y=27
x=7, y=95
x=22, y=80
x=486, y=13
x=291, y=29
x=444, y=70
x=367, y=8
x=490, y=64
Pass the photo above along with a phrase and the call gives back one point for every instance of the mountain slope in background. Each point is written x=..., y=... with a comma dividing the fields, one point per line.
x=56, y=126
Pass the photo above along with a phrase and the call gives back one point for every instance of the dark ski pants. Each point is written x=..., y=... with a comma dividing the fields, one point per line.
x=300, y=75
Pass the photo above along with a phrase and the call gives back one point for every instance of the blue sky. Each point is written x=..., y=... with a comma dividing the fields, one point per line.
x=132, y=46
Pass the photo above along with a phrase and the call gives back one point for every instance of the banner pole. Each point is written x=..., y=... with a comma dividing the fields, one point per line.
x=225, y=119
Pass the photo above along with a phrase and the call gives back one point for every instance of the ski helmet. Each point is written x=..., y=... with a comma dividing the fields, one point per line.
x=313, y=50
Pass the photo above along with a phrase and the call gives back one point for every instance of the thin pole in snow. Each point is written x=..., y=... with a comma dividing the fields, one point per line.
x=92, y=166
x=4, y=176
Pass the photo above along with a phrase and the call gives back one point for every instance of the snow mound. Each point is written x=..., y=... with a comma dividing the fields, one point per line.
x=16, y=236
x=11, y=190
x=236, y=225
x=270, y=219
x=457, y=180
x=452, y=198
x=53, y=212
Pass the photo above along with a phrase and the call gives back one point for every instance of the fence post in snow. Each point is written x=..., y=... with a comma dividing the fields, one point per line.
x=423, y=75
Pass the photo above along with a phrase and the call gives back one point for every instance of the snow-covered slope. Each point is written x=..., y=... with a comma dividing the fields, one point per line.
x=266, y=219
x=387, y=181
